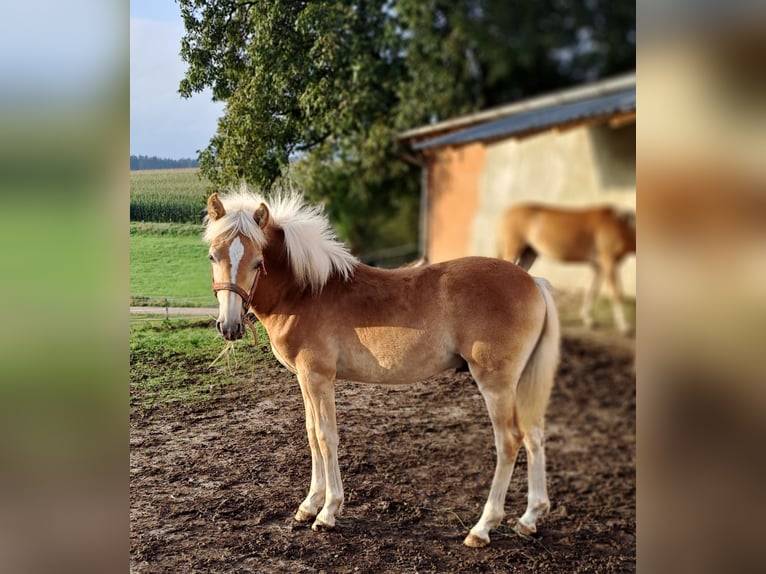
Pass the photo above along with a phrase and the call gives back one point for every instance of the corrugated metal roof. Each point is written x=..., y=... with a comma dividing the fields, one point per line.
x=538, y=119
x=563, y=96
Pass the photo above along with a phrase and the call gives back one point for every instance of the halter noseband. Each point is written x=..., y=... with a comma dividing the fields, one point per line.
x=247, y=298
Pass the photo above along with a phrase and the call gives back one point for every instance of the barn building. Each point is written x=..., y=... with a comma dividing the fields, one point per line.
x=575, y=147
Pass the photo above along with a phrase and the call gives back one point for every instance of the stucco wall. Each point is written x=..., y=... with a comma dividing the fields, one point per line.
x=453, y=192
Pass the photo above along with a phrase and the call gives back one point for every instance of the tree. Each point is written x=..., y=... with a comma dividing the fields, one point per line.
x=325, y=85
x=139, y=162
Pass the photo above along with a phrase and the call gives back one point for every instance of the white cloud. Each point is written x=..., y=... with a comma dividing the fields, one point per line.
x=162, y=123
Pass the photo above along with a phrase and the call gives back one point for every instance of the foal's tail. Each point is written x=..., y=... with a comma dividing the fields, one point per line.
x=534, y=388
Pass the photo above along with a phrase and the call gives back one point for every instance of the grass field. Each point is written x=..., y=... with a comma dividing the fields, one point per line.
x=175, y=195
x=169, y=266
x=189, y=346
x=168, y=260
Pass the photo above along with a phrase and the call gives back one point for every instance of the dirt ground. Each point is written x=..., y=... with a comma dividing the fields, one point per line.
x=214, y=485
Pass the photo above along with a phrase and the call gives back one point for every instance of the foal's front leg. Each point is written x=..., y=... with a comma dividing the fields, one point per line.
x=319, y=397
x=310, y=507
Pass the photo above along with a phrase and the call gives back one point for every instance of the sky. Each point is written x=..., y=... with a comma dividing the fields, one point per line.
x=46, y=53
x=162, y=123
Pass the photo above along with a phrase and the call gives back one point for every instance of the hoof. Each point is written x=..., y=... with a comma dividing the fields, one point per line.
x=474, y=541
x=320, y=526
x=524, y=529
x=303, y=516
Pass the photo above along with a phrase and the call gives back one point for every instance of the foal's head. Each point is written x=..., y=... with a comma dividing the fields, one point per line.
x=236, y=242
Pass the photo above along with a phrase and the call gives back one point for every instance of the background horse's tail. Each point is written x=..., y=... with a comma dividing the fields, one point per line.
x=534, y=388
x=527, y=258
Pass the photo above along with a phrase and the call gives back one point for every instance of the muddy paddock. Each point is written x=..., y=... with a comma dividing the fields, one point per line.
x=214, y=485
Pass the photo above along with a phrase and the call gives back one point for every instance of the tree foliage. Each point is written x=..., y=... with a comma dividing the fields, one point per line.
x=324, y=85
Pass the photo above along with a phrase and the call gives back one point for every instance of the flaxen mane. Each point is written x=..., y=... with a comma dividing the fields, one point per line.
x=312, y=246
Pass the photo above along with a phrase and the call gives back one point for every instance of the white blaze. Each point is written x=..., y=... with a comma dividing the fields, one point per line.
x=234, y=304
x=236, y=251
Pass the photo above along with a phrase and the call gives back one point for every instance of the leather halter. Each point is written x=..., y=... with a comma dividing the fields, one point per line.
x=247, y=298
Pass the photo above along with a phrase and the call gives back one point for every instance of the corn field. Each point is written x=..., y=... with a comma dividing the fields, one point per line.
x=167, y=195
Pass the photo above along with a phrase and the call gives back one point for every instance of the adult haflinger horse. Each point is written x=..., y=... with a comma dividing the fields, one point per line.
x=330, y=317
x=601, y=236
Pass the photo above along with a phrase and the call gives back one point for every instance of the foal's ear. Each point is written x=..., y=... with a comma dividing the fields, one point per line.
x=214, y=207
x=262, y=216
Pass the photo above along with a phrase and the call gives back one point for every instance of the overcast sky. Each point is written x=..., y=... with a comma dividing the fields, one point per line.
x=162, y=123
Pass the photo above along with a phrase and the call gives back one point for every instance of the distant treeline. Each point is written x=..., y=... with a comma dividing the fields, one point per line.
x=146, y=162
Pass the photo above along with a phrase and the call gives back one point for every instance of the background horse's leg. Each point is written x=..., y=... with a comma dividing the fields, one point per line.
x=320, y=390
x=310, y=507
x=538, y=503
x=590, y=296
x=615, y=292
x=497, y=390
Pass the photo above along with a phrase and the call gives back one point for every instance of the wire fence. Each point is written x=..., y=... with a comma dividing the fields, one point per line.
x=163, y=307
x=169, y=301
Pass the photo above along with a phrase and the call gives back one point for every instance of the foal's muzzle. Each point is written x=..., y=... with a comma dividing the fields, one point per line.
x=231, y=330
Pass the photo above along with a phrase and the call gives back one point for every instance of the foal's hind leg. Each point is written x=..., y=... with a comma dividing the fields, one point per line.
x=538, y=503
x=501, y=404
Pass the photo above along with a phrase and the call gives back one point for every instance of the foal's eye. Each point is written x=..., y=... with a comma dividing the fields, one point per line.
x=211, y=257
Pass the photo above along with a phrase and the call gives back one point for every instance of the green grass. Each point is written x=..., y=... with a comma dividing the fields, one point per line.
x=170, y=195
x=169, y=266
x=603, y=317
x=168, y=260
x=170, y=360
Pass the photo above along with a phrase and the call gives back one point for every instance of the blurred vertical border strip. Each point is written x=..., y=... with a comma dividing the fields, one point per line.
x=701, y=219
x=64, y=112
